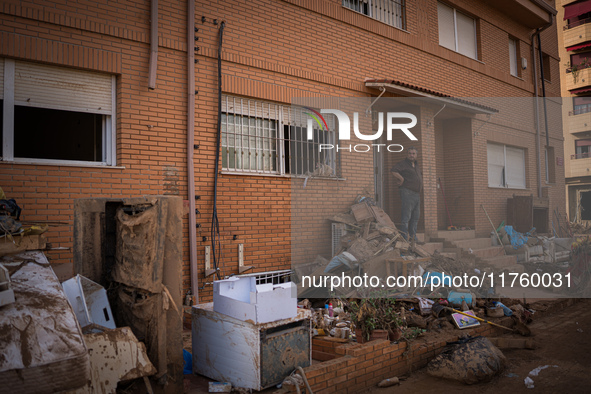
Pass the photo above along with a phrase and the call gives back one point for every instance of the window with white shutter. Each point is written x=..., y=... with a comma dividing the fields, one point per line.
x=506, y=166
x=457, y=31
x=513, y=57
x=55, y=114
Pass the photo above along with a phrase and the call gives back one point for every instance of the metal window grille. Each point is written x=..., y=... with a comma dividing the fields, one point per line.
x=338, y=231
x=259, y=137
x=391, y=12
x=275, y=277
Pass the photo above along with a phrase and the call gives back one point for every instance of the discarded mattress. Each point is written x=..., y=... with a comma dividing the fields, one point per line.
x=42, y=349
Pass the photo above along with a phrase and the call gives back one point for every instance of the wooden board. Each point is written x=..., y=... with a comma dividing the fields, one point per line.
x=382, y=217
x=22, y=243
x=362, y=212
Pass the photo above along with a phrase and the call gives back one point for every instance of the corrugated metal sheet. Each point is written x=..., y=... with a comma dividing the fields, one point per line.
x=62, y=88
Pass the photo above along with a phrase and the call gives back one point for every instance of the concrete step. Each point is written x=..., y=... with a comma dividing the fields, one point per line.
x=486, y=253
x=500, y=262
x=475, y=243
x=453, y=235
x=431, y=247
x=452, y=255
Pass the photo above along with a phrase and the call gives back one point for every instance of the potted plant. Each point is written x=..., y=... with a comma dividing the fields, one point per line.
x=374, y=318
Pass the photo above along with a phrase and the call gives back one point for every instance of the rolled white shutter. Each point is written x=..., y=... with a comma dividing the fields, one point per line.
x=515, y=171
x=496, y=164
x=466, y=35
x=60, y=88
x=447, y=36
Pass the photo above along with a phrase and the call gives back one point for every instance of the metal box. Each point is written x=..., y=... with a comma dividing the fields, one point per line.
x=249, y=355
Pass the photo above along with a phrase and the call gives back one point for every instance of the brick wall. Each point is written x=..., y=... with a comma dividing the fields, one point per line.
x=359, y=366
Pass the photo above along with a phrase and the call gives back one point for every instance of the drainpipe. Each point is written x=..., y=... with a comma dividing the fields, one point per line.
x=153, y=46
x=191, y=147
x=536, y=110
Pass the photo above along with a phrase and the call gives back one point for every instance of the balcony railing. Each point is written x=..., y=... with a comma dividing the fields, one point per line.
x=581, y=109
x=577, y=23
x=581, y=156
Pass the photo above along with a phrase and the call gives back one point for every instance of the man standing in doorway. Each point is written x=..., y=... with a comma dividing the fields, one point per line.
x=410, y=181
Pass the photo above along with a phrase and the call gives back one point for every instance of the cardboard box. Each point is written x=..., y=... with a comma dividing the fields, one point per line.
x=243, y=299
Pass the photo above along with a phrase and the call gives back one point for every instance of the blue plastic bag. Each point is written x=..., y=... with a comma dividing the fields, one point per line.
x=188, y=366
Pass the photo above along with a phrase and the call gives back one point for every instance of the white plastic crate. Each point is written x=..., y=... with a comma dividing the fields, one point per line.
x=89, y=301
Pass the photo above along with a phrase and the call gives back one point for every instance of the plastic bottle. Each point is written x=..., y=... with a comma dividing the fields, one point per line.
x=330, y=310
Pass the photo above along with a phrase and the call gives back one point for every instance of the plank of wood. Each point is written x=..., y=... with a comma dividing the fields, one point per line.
x=22, y=243
x=382, y=217
x=362, y=212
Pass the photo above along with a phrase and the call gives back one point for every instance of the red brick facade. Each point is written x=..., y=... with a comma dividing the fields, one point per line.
x=272, y=51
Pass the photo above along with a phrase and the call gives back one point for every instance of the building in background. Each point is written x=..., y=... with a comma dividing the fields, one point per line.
x=574, y=33
x=121, y=100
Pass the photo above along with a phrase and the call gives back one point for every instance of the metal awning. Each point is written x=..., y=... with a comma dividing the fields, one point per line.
x=408, y=90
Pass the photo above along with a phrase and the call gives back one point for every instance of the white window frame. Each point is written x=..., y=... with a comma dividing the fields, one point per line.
x=108, y=132
x=513, y=67
x=455, y=30
x=390, y=12
x=505, y=168
x=283, y=116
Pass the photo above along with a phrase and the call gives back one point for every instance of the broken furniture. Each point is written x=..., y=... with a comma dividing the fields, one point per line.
x=40, y=339
x=525, y=212
x=133, y=247
x=115, y=356
x=247, y=354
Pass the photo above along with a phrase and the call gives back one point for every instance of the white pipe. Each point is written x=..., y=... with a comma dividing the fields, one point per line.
x=190, y=146
x=153, y=46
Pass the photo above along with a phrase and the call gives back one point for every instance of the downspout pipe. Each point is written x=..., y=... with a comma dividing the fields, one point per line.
x=191, y=147
x=536, y=110
x=153, y=46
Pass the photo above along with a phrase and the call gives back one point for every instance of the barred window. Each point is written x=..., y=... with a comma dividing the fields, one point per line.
x=266, y=138
x=391, y=12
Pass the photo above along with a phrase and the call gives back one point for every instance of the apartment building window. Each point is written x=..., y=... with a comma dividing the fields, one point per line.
x=266, y=138
x=581, y=105
x=513, y=56
x=57, y=115
x=582, y=149
x=391, y=12
x=547, y=69
x=578, y=13
x=506, y=166
x=457, y=31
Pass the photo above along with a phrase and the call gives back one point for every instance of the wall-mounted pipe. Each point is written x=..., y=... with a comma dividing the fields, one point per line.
x=191, y=147
x=153, y=46
x=536, y=109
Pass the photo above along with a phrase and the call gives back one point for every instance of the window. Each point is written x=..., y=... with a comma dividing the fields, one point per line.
x=391, y=12
x=267, y=138
x=582, y=149
x=457, y=31
x=550, y=165
x=513, y=56
x=506, y=166
x=547, y=69
x=581, y=105
x=55, y=114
